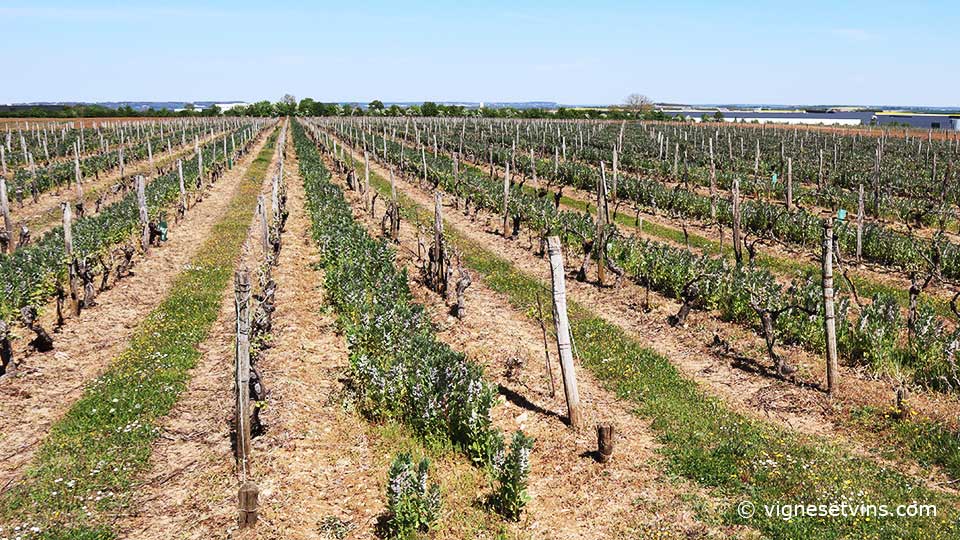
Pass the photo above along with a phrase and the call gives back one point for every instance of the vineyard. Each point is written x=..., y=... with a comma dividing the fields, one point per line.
x=459, y=327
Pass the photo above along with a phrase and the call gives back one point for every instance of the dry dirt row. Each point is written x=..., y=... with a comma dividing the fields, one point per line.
x=45, y=385
x=189, y=488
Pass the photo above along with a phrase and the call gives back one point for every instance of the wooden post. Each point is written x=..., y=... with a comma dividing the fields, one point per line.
x=829, y=318
x=5, y=210
x=605, y=438
x=264, y=228
x=248, y=499
x=241, y=290
x=737, y=241
x=603, y=213
x=68, y=252
x=183, y=189
x=616, y=172
x=789, y=184
x=713, y=184
x=756, y=161
x=76, y=171
x=562, y=325
x=144, y=216
x=860, y=222
x=506, y=202
x=366, y=176
x=820, y=171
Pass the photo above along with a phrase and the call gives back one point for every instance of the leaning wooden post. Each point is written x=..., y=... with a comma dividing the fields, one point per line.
x=68, y=253
x=144, y=216
x=5, y=210
x=860, y=223
x=829, y=318
x=562, y=325
x=737, y=241
x=506, y=202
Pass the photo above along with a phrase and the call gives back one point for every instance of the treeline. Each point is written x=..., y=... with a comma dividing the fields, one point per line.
x=310, y=107
x=289, y=106
x=95, y=111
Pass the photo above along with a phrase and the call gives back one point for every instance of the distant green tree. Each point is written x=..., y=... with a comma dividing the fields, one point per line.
x=307, y=107
x=429, y=108
x=376, y=105
x=261, y=108
x=718, y=116
x=287, y=106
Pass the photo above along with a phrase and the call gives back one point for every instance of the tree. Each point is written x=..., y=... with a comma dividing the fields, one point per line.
x=287, y=105
x=376, y=105
x=307, y=107
x=718, y=116
x=212, y=110
x=638, y=103
x=429, y=108
x=261, y=108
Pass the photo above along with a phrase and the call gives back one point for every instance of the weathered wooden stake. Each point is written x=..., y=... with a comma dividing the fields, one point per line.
x=264, y=228
x=737, y=240
x=605, y=439
x=506, y=202
x=248, y=500
x=144, y=216
x=562, y=325
x=789, y=184
x=183, y=188
x=713, y=184
x=5, y=210
x=829, y=318
x=860, y=222
x=68, y=251
x=241, y=290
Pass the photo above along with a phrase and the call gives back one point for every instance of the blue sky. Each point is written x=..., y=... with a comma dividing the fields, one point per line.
x=569, y=52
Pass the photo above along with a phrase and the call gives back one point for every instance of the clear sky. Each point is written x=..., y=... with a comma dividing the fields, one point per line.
x=597, y=52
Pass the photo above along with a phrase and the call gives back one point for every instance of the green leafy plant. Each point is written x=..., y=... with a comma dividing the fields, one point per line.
x=413, y=502
x=511, y=469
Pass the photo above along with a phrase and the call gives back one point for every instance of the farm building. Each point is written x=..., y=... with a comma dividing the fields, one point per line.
x=923, y=121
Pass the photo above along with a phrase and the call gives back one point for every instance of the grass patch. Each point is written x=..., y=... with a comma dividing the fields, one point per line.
x=740, y=458
x=91, y=458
